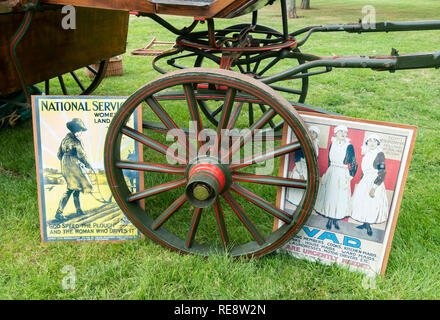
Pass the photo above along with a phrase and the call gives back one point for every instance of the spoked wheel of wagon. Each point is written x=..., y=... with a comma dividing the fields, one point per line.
x=77, y=82
x=210, y=189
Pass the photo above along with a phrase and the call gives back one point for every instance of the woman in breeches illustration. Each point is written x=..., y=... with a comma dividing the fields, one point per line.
x=334, y=193
x=370, y=202
x=72, y=156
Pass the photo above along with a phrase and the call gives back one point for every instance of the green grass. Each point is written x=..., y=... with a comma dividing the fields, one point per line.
x=143, y=270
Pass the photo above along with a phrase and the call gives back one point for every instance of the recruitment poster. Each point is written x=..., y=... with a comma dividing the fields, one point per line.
x=74, y=199
x=362, y=167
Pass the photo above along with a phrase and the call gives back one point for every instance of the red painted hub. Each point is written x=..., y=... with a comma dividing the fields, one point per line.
x=206, y=180
x=210, y=170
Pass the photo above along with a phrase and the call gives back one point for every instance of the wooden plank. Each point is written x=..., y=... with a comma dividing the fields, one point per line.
x=47, y=50
x=126, y=5
x=240, y=7
x=146, y=6
x=203, y=12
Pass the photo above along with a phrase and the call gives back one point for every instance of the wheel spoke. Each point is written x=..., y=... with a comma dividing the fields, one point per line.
x=63, y=86
x=154, y=167
x=168, y=212
x=260, y=157
x=226, y=114
x=78, y=81
x=92, y=70
x=240, y=68
x=269, y=65
x=226, y=110
x=155, y=190
x=268, y=115
x=235, y=115
x=193, y=110
x=167, y=120
x=217, y=111
x=221, y=224
x=134, y=134
x=248, y=65
x=257, y=64
x=193, y=227
x=251, y=114
x=269, y=180
x=244, y=218
x=269, y=134
x=47, y=87
x=263, y=108
x=263, y=204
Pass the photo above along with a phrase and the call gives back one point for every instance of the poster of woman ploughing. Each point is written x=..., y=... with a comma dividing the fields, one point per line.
x=74, y=199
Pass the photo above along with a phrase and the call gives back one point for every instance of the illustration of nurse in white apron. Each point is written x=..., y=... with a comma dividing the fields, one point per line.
x=294, y=195
x=370, y=202
x=334, y=194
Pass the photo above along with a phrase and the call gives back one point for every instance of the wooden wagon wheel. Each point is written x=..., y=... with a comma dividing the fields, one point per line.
x=204, y=202
x=78, y=82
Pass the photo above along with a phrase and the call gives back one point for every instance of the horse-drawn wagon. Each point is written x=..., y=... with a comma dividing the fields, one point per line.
x=205, y=125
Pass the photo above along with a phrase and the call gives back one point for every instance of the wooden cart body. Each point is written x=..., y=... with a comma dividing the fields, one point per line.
x=47, y=50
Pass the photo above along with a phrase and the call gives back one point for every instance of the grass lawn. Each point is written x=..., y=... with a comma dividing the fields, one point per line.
x=143, y=270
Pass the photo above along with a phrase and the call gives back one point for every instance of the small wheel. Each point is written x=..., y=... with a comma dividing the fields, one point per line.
x=77, y=82
x=210, y=188
x=255, y=64
x=264, y=65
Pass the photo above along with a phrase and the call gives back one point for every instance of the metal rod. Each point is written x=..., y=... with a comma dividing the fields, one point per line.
x=365, y=27
x=357, y=62
x=168, y=26
x=285, y=19
x=254, y=17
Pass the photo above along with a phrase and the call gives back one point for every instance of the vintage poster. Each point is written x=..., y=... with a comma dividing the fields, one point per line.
x=362, y=166
x=74, y=199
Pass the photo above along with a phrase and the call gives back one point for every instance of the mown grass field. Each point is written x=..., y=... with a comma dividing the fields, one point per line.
x=143, y=270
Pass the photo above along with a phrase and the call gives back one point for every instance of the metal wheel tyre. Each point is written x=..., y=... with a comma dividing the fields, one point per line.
x=214, y=195
x=77, y=82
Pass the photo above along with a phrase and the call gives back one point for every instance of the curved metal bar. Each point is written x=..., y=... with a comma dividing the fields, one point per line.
x=237, y=28
x=289, y=43
x=168, y=26
x=178, y=51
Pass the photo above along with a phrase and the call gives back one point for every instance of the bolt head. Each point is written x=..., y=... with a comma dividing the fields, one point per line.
x=201, y=192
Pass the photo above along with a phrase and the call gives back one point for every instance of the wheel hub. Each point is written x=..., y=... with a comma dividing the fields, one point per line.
x=202, y=191
x=207, y=178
